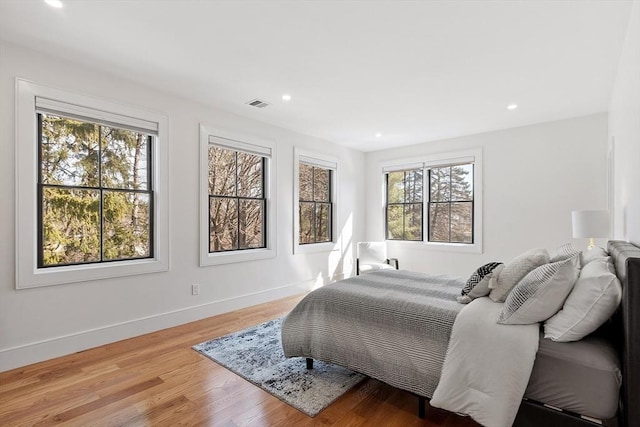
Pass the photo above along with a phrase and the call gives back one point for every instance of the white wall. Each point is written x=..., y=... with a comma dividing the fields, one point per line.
x=534, y=176
x=624, y=131
x=38, y=324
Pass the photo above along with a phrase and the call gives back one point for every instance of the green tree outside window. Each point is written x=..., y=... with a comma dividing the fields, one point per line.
x=95, y=193
x=450, y=206
x=404, y=205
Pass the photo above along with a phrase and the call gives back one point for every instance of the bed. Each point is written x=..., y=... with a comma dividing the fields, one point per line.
x=395, y=327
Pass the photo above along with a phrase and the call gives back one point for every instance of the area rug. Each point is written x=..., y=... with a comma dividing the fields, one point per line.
x=256, y=355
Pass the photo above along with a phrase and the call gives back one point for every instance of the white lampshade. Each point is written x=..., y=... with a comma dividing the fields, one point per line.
x=590, y=224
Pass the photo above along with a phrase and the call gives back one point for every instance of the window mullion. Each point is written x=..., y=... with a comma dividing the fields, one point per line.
x=473, y=220
x=40, y=197
x=101, y=193
x=331, y=219
x=449, y=205
x=330, y=212
x=404, y=225
x=315, y=222
x=386, y=211
x=404, y=206
x=428, y=209
x=209, y=226
x=315, y=206
x=264, y=203
x=237, y=202
x=150, y=159
x=426, y=184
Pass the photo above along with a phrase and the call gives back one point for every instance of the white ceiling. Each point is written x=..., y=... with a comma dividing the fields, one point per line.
x=414, y=71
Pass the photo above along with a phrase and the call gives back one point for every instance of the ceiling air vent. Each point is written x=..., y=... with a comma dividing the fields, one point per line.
x=257, y=103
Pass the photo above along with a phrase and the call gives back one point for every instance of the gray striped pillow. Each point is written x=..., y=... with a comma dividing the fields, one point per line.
x=515, y=271
x=563, y=252
x=541, y=293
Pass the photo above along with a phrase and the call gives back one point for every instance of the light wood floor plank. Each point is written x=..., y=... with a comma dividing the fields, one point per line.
x=158, y=380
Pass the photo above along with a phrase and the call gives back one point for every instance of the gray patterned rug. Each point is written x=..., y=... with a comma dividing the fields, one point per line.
x=256, y=355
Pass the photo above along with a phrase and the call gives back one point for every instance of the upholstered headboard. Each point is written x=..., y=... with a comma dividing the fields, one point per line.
x=626, y=258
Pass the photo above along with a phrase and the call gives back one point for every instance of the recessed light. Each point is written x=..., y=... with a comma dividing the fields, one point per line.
x=54, y=3
x=378, y=135
x=512, y=106
x=286, y=97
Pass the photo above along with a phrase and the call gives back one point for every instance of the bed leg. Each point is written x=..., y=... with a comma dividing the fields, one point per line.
x=309, y=363
x=421, y=407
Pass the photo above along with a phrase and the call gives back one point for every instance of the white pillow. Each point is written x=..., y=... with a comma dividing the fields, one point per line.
x=594, y=298
x=515, y=271
x=592, y=254
x=541, y=293
x=563, y=252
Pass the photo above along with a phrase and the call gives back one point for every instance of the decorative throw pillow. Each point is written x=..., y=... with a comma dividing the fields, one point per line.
x=478, y=284
x=592, y=254
x=594, y=298
x=563, y=252
x=541, y=293
x=515, y=271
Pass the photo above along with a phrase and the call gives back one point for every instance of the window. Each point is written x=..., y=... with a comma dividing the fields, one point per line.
x=404, y=205
x=94, y=192
x=452, y=211
x=237, y=216
x=314, y=204
x=236, y=200
x=314, y=201
x=451, y=204
x=92, y=199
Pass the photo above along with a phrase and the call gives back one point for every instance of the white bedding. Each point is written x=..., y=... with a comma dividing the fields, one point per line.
x=487, y=367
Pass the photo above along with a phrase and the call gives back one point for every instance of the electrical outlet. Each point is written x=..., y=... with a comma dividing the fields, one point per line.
x=195, y=289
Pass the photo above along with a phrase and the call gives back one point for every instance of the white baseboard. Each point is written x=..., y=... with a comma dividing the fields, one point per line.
x=39, y=351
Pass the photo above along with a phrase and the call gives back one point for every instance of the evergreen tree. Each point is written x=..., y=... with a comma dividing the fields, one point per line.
x=82, y=164
x=451, y=206
x=404, y=205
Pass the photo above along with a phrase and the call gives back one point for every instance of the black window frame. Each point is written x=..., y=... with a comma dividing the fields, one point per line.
x=404, y=205
x=41, y=186
x=450, y=202
x=315, y=204
x=238, y=199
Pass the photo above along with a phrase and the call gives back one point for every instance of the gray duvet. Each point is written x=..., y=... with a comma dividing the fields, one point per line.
x=391, y=325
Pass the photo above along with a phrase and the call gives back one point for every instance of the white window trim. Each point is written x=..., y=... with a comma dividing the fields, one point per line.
x=237, y=141
x=431, y=160
x=28, y=275
x=324, y=161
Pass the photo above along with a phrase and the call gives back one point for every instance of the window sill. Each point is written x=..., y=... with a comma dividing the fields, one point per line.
x=313, y=248
x=454, y=247
x=443, y=247
x=232, y=257
x=89, y=272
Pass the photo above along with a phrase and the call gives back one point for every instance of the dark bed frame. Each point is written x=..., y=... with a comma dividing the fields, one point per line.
x=625, y=325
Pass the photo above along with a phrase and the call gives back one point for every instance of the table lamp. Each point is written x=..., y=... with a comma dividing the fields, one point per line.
x=590, y=224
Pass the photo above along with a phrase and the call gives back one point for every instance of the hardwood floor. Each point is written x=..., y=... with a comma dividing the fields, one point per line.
x=158, y=380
